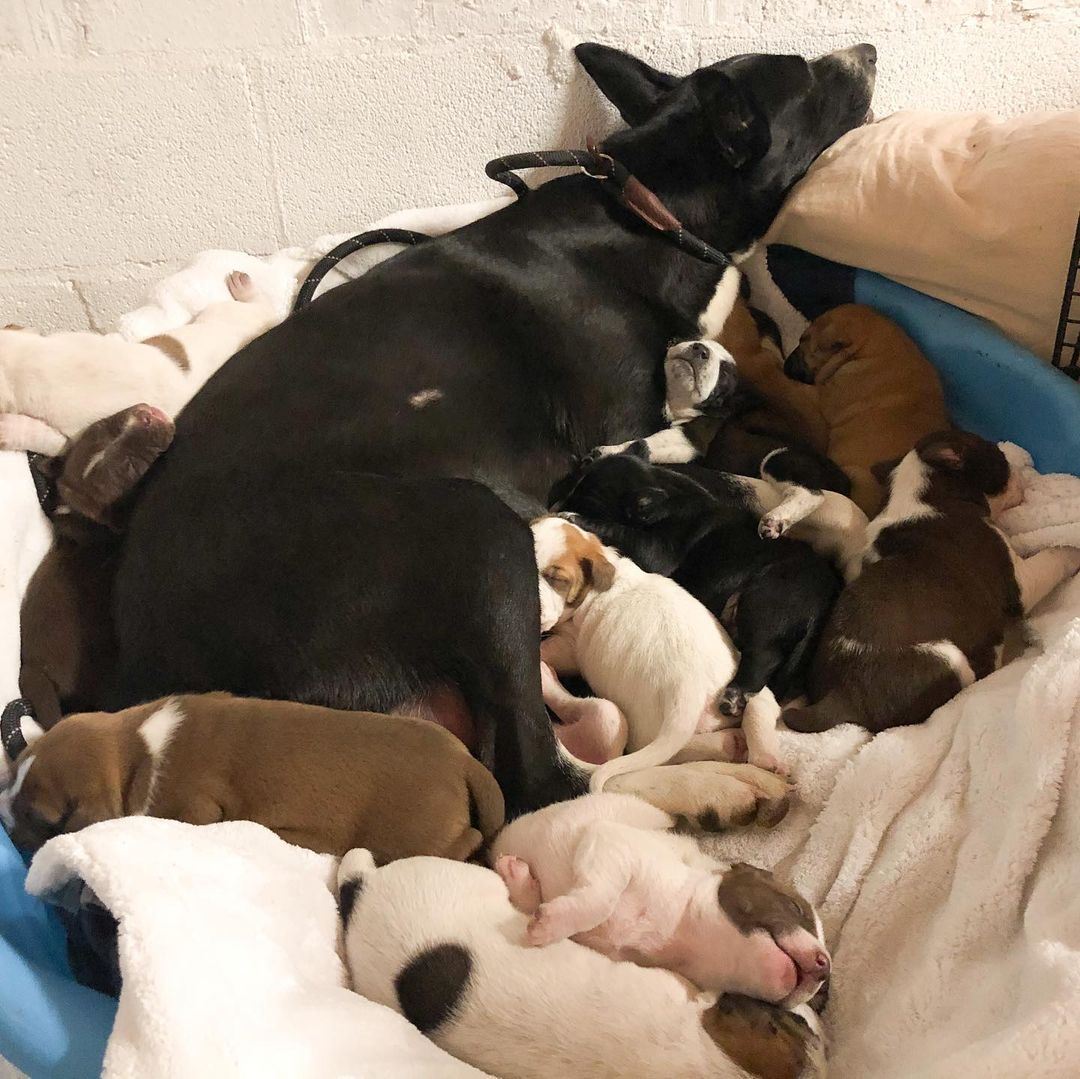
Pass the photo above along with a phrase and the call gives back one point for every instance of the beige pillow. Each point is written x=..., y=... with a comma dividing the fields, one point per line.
x=975, y=210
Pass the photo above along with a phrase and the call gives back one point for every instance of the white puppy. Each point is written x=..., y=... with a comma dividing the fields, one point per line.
x=440, y=943
x=608, y=871
x=644, y=642
x=53, y=387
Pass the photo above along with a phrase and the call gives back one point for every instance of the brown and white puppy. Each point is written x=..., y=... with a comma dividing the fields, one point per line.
x=643, y=642
x=938, y=588
x=65, y=622
x=865, y=393
x=320, y=778
x=53, y=387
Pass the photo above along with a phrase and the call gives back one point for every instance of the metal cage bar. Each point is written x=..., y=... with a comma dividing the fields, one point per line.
x=1067, y=342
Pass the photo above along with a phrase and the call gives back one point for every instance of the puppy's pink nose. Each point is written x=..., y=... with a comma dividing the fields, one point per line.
x=821, y=962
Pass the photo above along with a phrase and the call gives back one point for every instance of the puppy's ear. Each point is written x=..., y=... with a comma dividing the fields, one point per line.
x=599, y=573
x=633, y=87
x=944, y=453
x=742, y=133
x=646, y=506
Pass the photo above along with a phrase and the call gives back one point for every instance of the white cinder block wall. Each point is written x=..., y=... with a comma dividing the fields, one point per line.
x=136, y=132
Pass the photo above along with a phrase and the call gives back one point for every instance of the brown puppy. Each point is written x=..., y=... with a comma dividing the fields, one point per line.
x=65, y=624
x=865, y=393
x=320, y=778
x=939, y=585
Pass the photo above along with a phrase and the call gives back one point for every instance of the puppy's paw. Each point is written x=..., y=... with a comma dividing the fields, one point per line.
x=544, y=927
x=732, y=702
x=769, y=762
x=241, y=287
x=522, y=886
x=771, y=527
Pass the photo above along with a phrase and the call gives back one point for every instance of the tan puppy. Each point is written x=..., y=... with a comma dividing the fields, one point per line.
x=320, y=778
x=865, y=393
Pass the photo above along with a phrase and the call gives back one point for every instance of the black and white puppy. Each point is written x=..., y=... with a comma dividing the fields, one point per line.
x=773, y=597
x=704, y=394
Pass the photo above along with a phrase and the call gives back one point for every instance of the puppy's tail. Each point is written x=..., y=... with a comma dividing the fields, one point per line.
x=680, y=721
x=832, y=710
x=351, y=877
x=486, y=807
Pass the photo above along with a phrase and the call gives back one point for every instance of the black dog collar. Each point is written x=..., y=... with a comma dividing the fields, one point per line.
x=11, y=733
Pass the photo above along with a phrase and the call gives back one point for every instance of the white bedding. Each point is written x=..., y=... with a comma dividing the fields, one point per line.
x=944, y=856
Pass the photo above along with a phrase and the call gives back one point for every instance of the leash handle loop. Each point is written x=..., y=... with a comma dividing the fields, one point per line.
x=348, y=247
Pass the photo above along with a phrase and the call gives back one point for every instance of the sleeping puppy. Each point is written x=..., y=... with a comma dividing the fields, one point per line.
x=608, y=871
x=65, y=623
x=53, y=387
x=440, y=943
x=773, y=596
x=320, y=778
x=938, y=588
x=643, y=642
x=865, y=391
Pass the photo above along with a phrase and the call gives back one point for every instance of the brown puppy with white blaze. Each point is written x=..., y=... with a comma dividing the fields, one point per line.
x=865, y=393
x=318, y=777
x=938, y=588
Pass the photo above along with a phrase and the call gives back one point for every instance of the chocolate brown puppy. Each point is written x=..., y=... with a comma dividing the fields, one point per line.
x=938, y=588
x=320, y=778
x=66, y=630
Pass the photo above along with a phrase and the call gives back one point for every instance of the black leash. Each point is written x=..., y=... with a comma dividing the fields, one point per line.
x=349, y=247
x=620, y=182
x=615, y=177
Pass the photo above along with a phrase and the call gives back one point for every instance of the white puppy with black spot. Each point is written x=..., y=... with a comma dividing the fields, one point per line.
x=440, y=943
x=53, y=387
x=644, y=642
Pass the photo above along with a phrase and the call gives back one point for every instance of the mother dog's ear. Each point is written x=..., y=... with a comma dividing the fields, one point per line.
x=742, y=132
x=633, y=87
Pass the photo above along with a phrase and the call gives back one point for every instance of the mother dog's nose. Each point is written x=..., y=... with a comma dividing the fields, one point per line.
x=866, y=53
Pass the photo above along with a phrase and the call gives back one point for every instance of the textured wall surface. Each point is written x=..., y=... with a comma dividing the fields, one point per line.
x=136, y=132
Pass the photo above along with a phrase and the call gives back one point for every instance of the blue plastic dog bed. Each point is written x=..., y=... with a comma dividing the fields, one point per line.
x=53, y=1028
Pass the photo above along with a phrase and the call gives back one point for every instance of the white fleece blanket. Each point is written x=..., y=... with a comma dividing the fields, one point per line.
x=944, y=857
x=228, y=947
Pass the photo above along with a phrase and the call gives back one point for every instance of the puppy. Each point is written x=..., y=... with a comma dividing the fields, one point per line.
x=320, y=778
x=773, y=597
x=939, y=585
x=65, y=623
x=52, y=388
x=865, y=391
x=607, y=870
x=440, y=943
x=645, y=643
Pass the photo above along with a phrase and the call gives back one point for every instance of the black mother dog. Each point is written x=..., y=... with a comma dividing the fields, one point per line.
x=316, y=535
